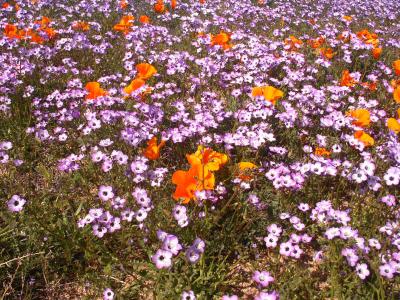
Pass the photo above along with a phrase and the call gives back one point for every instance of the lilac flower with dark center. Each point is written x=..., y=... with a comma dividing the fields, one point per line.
x=16, y=203
x=162, y=259
x=108, y=294
x=286, y=249
x=386, y=270
x=262, y=278
x=362, y=271
x=105, y=192
x=188, y=295
x=171, y=243
x=267, y=296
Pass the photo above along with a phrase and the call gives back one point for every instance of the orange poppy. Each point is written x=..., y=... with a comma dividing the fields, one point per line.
x=124, y=24
x=152, y=150
x=293, y=43
x=347, y=18
x=396, y=94
x=364, y=137
x=11, y=31
x=145, y=71
x=159, y=7
x=135, y=84
x=210, y=159
x=347, y=80
x=35, y=38
x=188, y=182
x=144, y=19
x=376, y=52
x=200, y=176
x=317, y=43
x=361, y=116
x=322, y=152
x=123, y=4
x=396, y=66
x=327, y=53
x=94, y=90
x=80, y=25
x=269, y=93
x=368, y=38
x=44, y=22
x=222, y=39
x=244, y=172
x=50, y=32
x=393, y=124
x=173, y=4
x=370, y=85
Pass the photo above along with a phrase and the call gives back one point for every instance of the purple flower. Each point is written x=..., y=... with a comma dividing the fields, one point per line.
x=227, y=297
x=162, y=259
x=362, y=271
x=171, y=243
x=387, y=271
x=286, y=249
x=267, y=296
x=16, y=203
x=188, y=295
x=271, y=241
x=108, y=294
x=105, y=192
x=263, y=278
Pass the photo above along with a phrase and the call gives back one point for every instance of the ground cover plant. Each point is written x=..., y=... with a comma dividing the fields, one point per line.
x=225, y=149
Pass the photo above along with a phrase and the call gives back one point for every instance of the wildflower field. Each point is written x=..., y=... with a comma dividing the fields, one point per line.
x=199, y=149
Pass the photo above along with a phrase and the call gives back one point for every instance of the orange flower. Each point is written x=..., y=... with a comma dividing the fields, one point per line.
x=317, y=43
x=173, y=4
x=200, y=176
x=222, y=39
x=188, y=182
x=347, y=18
x=344, y=37
x=269, y=93
x=347, y=80
x=152, y=150
x=44, y=22
x=327, y=53
x=202, y=1
x=124, y=24
x=11, y=31
x=144, y=19
x=393, y=124
x=365, y=138
x=35, y=38
x=396, y=94
x=361, y=116
x=210, y=159
x=293, y=43
x=145, y=71
x=396, y=66
x=135, y=84
x=5, y=5
x=244, y=172
x=94, y=90
x=123, y=4
x=322, y=152
x=369, y=85
x=159, y=7
x=80, y=25
x=368, y=38
x=50, y=32
x=376, y=52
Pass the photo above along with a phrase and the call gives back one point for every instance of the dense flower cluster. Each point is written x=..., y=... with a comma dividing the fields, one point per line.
x=292, y=106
